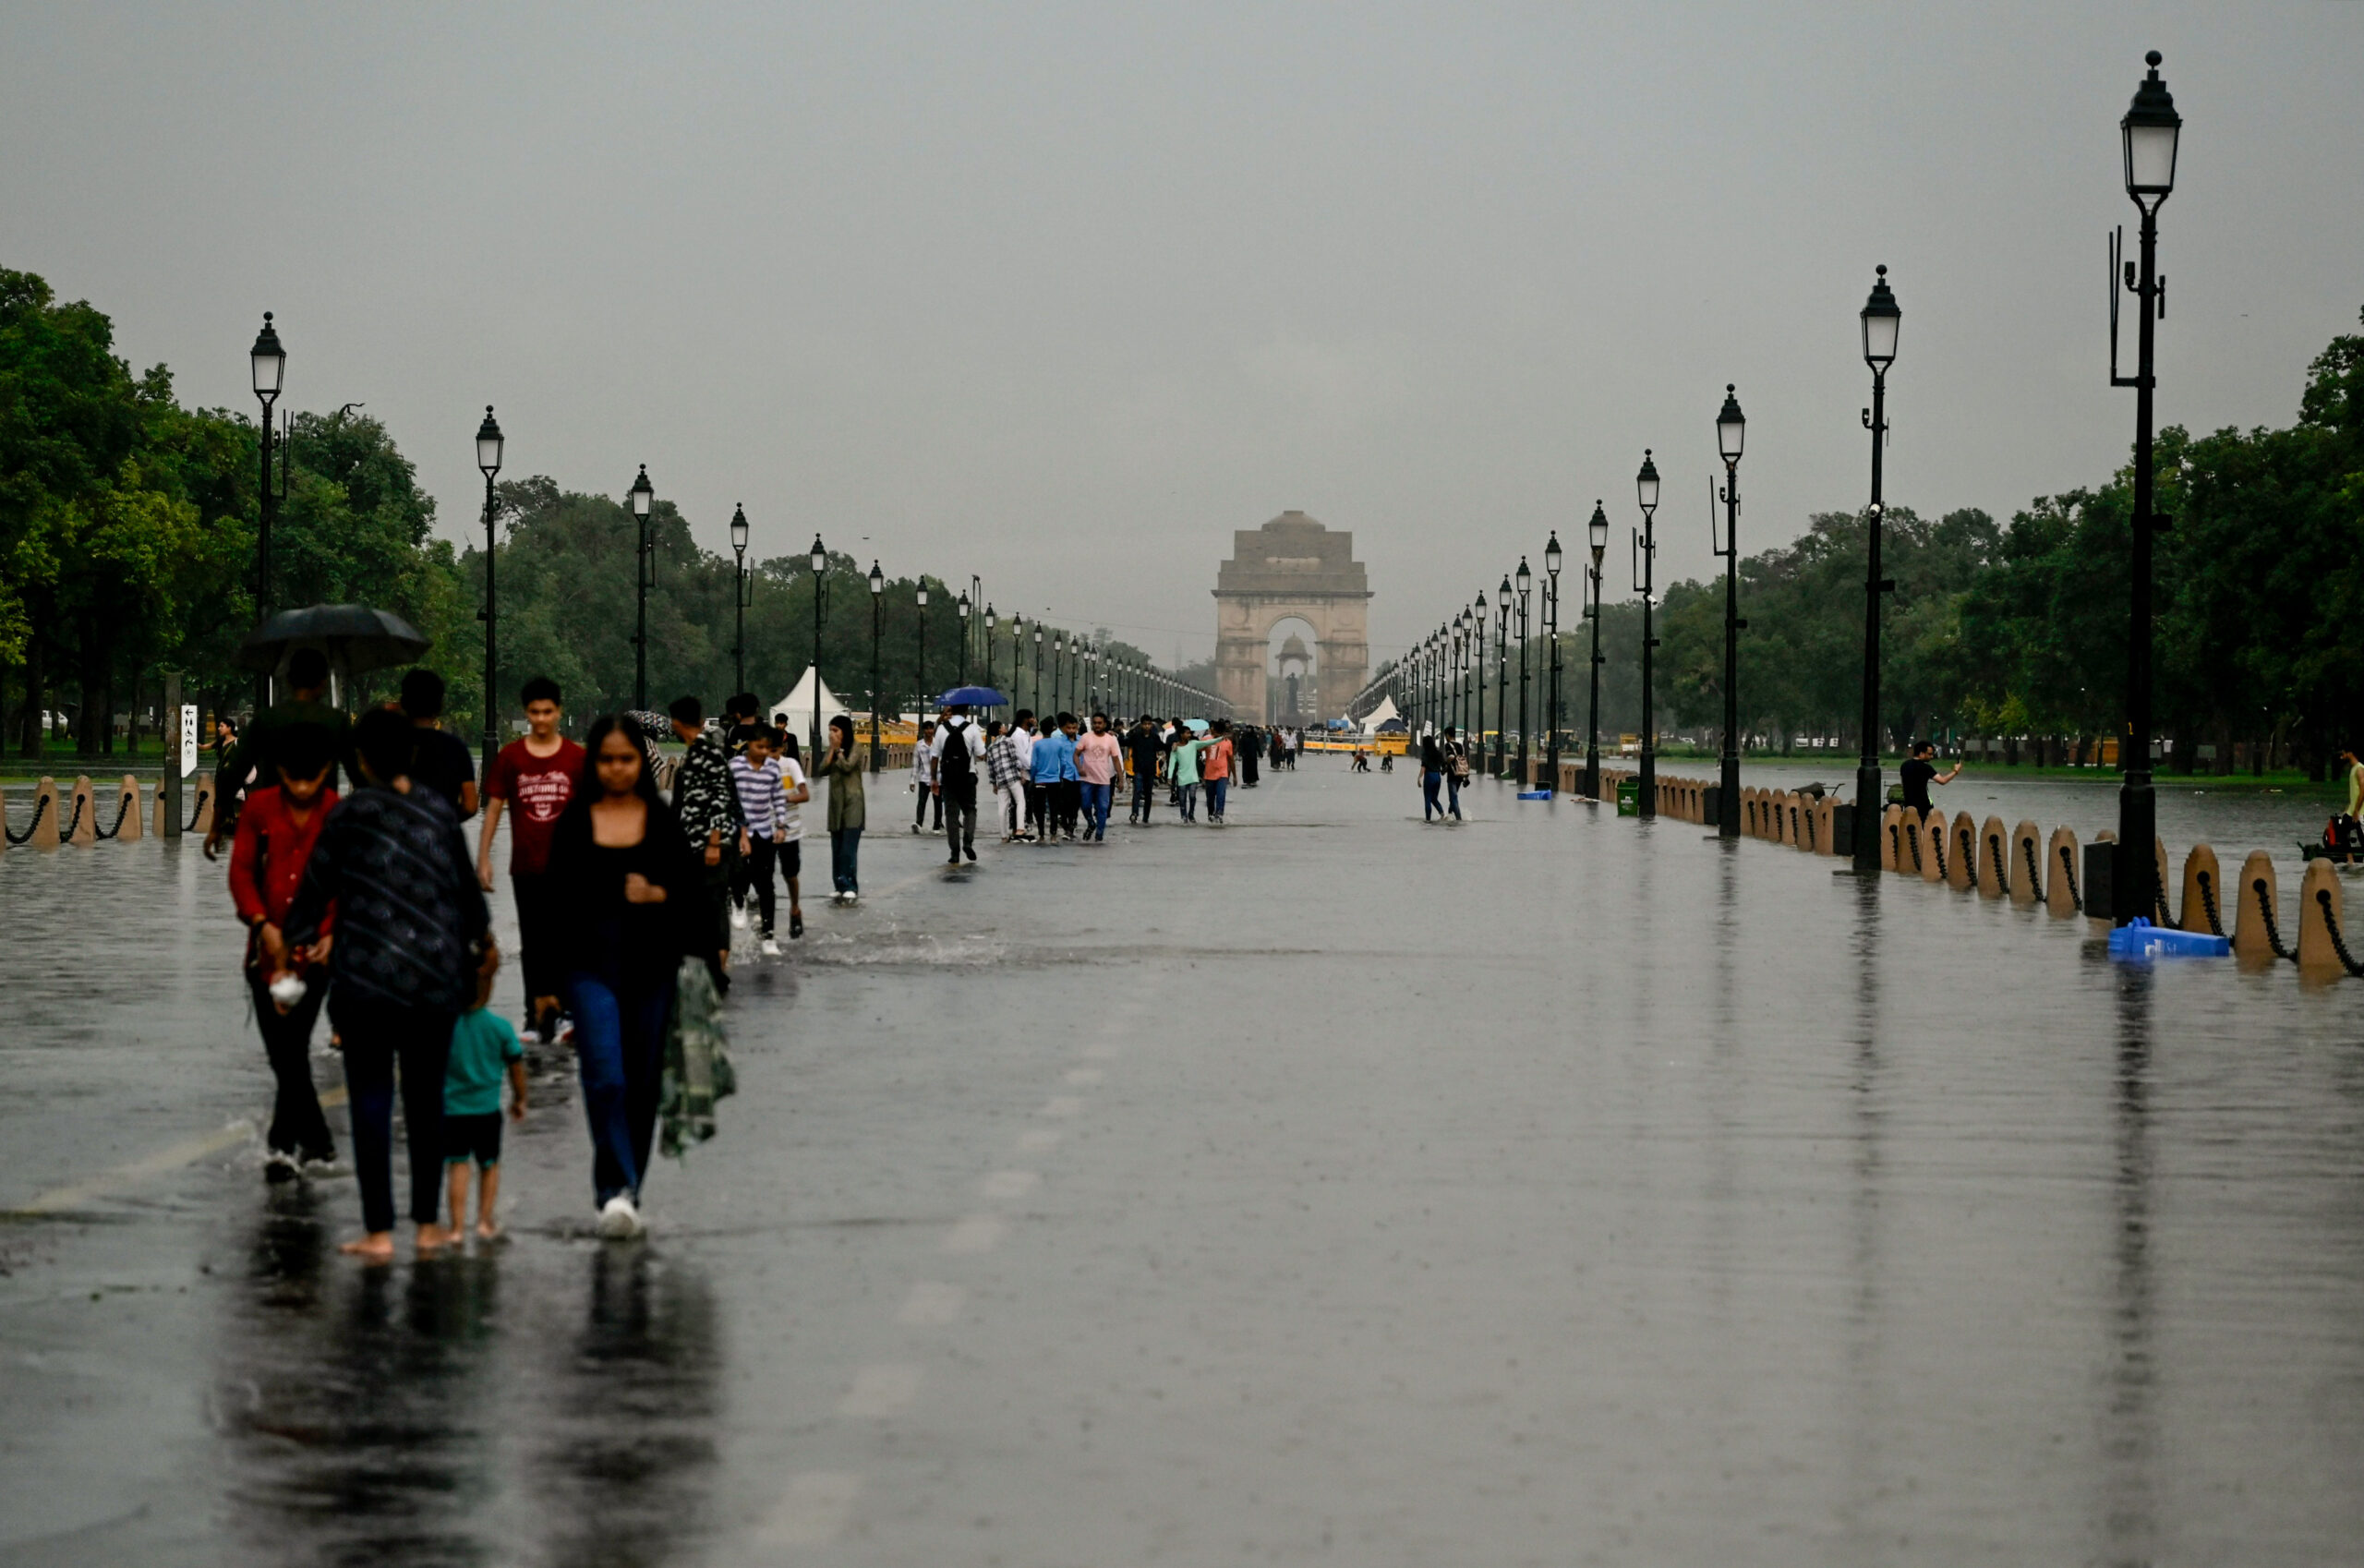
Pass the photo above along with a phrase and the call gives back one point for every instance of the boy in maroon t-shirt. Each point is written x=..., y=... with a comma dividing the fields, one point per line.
x=536, y=774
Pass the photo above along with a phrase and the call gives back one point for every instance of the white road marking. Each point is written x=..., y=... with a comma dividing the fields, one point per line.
x=188, y=1151
x=931, y=1305
x=978, y=1233
x=1083, y=1076
x=886, y=1389
x=1062, y=1106
x=1009, y=1184
x=1039, y=1141
x=815, y=1511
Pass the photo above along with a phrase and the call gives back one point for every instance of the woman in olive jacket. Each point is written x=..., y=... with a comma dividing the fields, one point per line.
x=843, y=769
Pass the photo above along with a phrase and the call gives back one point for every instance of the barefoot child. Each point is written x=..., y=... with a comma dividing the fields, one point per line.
x=484, y=1048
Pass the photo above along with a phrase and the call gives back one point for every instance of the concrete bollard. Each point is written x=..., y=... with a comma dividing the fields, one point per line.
x=1994, y=860
x=126, y=800
x=1825, y=825
x=82, y=813
x=1891, y=842
x=2203, y=892
x=2026, y=880
x=2253, y=934
x=2061, y=894
x=204, y=813
x=49, y=818
x=1934, y=848
x=2320, y=915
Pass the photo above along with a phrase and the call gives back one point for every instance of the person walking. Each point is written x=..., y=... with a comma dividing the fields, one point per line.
x=1182, y=770
x=1053, y=765
x=763, y=801
x=1008, y=776
x=248, y=764
x=1248, y=746
x=485, y=1050
x=842, y=766
x=1099, y=762
x=537, y=772
x=707, y=808
x=1456, y=769
x=275, y=837
x=799, y=789
x=444, y=764
x=1145, y=751
x=1022, y=737
x=633, y=902
x=1917, y=773
x=1431, y=777
x=1214, y=765
x=924, y=777
x=412, y=935
x=960, y=752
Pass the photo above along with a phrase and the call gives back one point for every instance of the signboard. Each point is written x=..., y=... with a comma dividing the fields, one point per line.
x=189, y=739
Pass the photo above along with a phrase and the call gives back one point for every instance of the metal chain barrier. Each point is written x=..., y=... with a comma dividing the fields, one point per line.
x=2331, y=924
x=40, y=807
x=1968, y=849
x=1937, y=849
x=2035, y=874
x=2208, y=904
x=1914, y=838
x=128, y=802
x=2272, y=934
x=195, y=811
x=2159, y=895
x=74, y=821
x=2069, y=864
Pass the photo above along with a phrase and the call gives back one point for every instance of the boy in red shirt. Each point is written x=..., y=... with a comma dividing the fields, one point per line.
x=276, y=832
x=538, y=773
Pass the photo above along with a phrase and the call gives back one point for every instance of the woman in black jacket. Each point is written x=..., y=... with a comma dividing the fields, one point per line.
x=632, y=896
x=412, y=933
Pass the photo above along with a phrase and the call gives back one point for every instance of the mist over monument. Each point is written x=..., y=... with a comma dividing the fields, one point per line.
x=1294, y=568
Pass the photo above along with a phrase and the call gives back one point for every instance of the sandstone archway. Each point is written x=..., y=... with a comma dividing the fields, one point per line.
x=1291, y=568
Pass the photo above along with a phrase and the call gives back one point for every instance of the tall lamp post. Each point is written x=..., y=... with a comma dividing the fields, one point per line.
x=877, y=636
x=1551, y=612
x=1598, y=530
x=739, y=596
x=1645, y=555
x=269, y=361
x=1478, y=686
x=991, y=619
x=1502, y=675
x=820, y=559
x=2150, y=129
x=919, y=596
x=1882, y=321
x=1037, y=668
x=962, y=678
x=1526, y=581
x=489, y=444
x=1730, y=428
x=1460, y=671
x=644, y=496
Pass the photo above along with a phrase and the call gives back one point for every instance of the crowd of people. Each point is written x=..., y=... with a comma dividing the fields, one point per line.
x=350, y=869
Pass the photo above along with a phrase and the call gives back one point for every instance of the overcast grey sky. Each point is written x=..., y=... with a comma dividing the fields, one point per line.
x=1064, y=294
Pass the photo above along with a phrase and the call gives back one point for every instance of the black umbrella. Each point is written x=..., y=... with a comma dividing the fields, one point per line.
x=354, y=636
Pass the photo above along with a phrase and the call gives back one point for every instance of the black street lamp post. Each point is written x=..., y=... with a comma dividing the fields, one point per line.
x=739, y=595
x=990, y=620
x=1502, y=676
x=268, y=360
x=1038, y=666
x=877, y=674
x=1552, y=614
x=1460, y=671
x=919, y=598
x=1599, y=530
x=2151, y=129
x=1478, y=686
x=1730, y=428
x=961, y=679
x=820, y=560
x=488, y=445
x=1646, y=553
x=644, y=495
x=1882, y=321
x=1526, y=580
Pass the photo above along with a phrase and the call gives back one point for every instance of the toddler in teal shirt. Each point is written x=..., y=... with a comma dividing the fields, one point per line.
x=484, y=1050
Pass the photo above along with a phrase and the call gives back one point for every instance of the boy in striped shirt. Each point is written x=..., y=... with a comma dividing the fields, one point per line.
x=762, y=796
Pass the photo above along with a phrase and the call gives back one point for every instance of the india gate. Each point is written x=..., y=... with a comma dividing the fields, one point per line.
x=1292, y=568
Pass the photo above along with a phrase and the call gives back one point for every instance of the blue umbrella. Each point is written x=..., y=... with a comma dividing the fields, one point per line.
x=972, y=696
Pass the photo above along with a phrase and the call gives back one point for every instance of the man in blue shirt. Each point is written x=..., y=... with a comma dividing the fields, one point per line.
x=1057, y=782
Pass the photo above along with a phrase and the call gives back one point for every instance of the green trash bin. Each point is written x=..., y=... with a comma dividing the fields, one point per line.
x=1629, y=797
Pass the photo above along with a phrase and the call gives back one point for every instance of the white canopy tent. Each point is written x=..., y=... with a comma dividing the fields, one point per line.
x=795, y=710
x=1379, y=715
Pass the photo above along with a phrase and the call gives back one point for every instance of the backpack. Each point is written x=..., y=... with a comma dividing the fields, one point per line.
x=955, y=767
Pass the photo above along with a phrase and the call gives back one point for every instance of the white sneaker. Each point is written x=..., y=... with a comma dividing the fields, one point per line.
x=619, y=1221
x=771, y=947
x=738, y=920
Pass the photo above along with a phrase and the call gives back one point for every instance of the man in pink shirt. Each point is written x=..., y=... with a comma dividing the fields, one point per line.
x=1099, y=761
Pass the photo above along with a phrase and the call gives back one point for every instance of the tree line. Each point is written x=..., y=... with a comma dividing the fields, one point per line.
x=127, y=533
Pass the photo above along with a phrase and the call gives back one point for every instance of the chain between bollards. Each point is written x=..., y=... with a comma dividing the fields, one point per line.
x=74, y=821
x=128, y=802
x=2035, y=872
x=41, y=805
x=2208, y=903
x=2273, y=934
x=2069, y=864
x=2331, y=924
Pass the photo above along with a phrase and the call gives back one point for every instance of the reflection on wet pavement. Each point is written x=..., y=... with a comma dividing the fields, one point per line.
x=1547, y=1188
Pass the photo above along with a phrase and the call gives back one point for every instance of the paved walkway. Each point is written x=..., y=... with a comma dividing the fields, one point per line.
x=1329, y=1187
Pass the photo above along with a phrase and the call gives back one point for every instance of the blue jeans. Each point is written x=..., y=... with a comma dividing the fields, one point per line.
x=1452, y=791
x=1190, y=802
x=620, y=1049
x=845, y=850
x=1216, y=789
x=1095, y=809
x=1429, y=784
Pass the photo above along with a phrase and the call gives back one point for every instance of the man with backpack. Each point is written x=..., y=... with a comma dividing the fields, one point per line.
x=959, y=749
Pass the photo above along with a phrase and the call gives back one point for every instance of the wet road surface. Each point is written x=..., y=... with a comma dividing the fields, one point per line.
x=1329, y=1187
